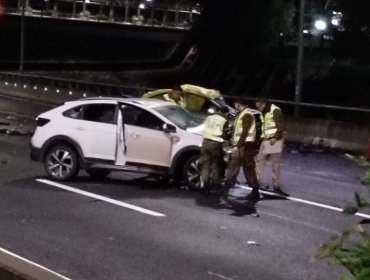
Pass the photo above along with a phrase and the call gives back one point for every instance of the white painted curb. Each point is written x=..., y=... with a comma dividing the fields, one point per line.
x=26, y=269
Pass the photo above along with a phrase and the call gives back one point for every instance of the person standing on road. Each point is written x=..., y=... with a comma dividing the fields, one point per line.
x=243, y=151
x=175, y=96
x=211, y=155
x=272, y=134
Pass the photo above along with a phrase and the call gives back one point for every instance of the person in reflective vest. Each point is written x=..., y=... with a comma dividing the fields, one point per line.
x=243, y=151
x=211, y=156
x=175, y=96
x=272, y=134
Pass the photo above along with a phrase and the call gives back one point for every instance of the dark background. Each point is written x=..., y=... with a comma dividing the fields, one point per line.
x=241, y=47
x=250, y=46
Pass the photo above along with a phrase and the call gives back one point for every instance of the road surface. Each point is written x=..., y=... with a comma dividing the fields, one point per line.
x=128, y=227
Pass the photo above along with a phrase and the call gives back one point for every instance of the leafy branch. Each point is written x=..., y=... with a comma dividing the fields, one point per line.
x=351, y=249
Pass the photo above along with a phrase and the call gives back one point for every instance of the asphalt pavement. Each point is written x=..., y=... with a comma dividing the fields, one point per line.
x=129, y=227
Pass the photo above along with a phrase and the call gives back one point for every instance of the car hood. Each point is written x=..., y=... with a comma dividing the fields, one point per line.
x=196, y=129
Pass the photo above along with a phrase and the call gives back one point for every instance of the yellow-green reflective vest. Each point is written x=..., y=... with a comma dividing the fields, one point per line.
x=213, y=128
x=268, y=124
x=238, y=128
x=181, y=103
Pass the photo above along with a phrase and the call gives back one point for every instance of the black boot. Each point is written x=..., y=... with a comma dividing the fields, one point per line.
x=255, y=194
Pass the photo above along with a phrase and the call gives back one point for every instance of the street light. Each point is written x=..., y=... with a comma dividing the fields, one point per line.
x=335, y=22
x=299, y=66
x=21, y=54
x=320, y=25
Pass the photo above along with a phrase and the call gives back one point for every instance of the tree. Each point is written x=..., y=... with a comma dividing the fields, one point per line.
x=246, y=28
x=236, y=39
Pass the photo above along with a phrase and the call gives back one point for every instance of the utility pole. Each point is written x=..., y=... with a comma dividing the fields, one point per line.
x=300, y=55
x=21, y=54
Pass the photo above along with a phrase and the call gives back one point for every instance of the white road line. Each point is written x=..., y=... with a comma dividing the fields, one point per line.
x=219, y=275
x=306, y=202
x=103, y=198
x=22, y=266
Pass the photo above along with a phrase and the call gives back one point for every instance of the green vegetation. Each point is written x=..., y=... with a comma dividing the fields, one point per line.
x=351, y=249
x=366, y=179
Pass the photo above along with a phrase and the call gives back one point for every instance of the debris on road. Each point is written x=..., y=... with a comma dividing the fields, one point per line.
x=251, y=242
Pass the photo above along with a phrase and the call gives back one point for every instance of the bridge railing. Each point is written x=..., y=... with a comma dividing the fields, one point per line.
x=127, y=12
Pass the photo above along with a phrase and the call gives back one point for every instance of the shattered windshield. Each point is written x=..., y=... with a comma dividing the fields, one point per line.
x=179, y=116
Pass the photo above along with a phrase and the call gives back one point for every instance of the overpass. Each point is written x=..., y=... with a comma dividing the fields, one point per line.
x=93, y=33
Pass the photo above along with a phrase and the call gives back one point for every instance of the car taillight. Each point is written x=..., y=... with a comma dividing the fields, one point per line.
x=41, y=121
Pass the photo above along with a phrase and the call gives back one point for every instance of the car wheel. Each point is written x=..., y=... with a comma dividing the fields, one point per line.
x=191, y=173
x=61, y=163
x=98, y=173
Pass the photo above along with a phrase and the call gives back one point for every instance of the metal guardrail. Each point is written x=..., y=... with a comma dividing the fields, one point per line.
x=96, y=87
x=311, y=105
x=136, y=91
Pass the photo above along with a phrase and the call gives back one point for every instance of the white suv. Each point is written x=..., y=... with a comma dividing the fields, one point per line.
x=101, y=135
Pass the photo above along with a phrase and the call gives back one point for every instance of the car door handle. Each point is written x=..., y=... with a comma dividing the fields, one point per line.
x=80, y=128
x=134, y=135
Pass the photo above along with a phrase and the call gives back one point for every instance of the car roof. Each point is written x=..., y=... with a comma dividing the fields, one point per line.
x=145, y=102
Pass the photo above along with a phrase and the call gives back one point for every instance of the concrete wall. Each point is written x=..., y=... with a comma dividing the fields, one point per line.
x=328, y=133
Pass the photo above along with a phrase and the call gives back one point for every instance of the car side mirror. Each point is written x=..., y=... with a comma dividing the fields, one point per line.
x=168, y=128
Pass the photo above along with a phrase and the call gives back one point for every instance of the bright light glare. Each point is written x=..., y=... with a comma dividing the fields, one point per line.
x=142, y=6
x=305, y=31
x=335, y=22
x=320, y=24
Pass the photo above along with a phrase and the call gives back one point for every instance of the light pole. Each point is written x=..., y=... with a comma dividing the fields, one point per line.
x=21, y=54
x=299, y=67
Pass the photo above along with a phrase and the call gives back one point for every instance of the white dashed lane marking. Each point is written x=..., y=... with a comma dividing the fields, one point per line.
x=102, y=198
x=308, y=202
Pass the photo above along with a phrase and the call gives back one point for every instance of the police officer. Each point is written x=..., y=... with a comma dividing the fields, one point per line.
x=243, y=151
x=272, y=141
x=211, y=156
x=175, y=96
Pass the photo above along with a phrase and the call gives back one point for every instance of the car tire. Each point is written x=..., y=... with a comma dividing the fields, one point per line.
x=191, y=172
x=98, y=173
x=61, y=163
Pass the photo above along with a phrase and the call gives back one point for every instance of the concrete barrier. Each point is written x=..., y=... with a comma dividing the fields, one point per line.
x=13, y=267
x=327, y=133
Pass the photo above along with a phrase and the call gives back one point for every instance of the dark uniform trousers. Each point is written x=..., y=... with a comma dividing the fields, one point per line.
x=211, y=160
x=245, y=159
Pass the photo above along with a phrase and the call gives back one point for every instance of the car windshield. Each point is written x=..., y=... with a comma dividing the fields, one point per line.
x=179, y=116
